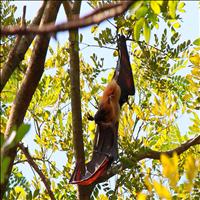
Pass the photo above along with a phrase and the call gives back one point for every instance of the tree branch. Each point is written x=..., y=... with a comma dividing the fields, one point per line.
x=179, y=150
x=30, y=82
x=76, y=97
x=151, y=154
x=36, y=168
x=16, y=55
x=95, y=17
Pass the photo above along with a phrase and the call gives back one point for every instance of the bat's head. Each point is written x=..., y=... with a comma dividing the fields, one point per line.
x=109, y=102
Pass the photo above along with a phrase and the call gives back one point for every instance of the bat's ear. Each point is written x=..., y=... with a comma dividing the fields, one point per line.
x=123, y=73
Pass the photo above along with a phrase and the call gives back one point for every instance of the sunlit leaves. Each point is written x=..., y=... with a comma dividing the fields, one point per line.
x=137, y=28
x=170, y=168
x=197, y=42
x=148, y=183
x=102, y=197
x=141, y=12
x=164, y=92
x=141, y=196
x=172, y=8
x=195, y=59
x=180, y=7
x=11, y=141
x=192, y=166
x=162, y=191
x=174, y=186
x=155, y=7
x=147, y=32
x=195, y=127
x=94, y=29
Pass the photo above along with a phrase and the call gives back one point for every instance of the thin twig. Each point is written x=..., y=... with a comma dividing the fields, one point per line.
x=97, y=16
x=36, y=168
x=93, y=45
x=139, y=130
x=38, y=159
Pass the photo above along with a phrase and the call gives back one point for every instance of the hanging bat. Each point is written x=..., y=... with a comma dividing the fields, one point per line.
x=105, y=144
x=109, y=108
x=123, y=73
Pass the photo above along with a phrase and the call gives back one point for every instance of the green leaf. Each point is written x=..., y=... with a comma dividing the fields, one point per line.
x=147, y=32
x=21, y=132
x=155, y=7
x=137, y=28
x=15, y=136
x=141, y=12
x=81, y=38
x=36, y=192
x=135, y=6
x=4, y=165
x=197, y=42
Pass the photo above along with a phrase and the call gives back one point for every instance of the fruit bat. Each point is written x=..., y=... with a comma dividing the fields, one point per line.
x=109, y=108
x=105, y=149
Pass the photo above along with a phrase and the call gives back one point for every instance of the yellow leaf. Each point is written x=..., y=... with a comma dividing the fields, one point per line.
x=138, y=111
x=94, y=28
x=196, y=71
x=155, y=7
x=172, y=8
x=163, y=106
x=141, y=196
x=91, y=126
x=156, y=107
x=190, y=168
x=102, y=197
x=176, y=25
x=187, y=97
x=19, y=190
x=170, y=168
x=162, y=191
x=148, y=183
x=115, y=53
x=195, y=59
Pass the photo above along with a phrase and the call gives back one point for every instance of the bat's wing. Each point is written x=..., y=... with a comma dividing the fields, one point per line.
x=105, y=151
x=123, y=73
x=105, y=143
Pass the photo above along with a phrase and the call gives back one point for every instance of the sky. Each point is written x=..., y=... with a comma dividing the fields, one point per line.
x=190, y=29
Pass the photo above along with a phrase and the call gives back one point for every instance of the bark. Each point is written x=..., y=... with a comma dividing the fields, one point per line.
x=96, y=17
x=16, y=55
x=30, y=82
x=72, y=12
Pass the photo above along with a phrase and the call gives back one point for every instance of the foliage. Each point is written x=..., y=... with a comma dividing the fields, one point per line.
x=172, y=185
x=6, y=144
x=166, y=74
x=7, y=18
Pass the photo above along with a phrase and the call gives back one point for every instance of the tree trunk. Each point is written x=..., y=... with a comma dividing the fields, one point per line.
x=72, y=11
x=29, y=83
x=16, y=55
